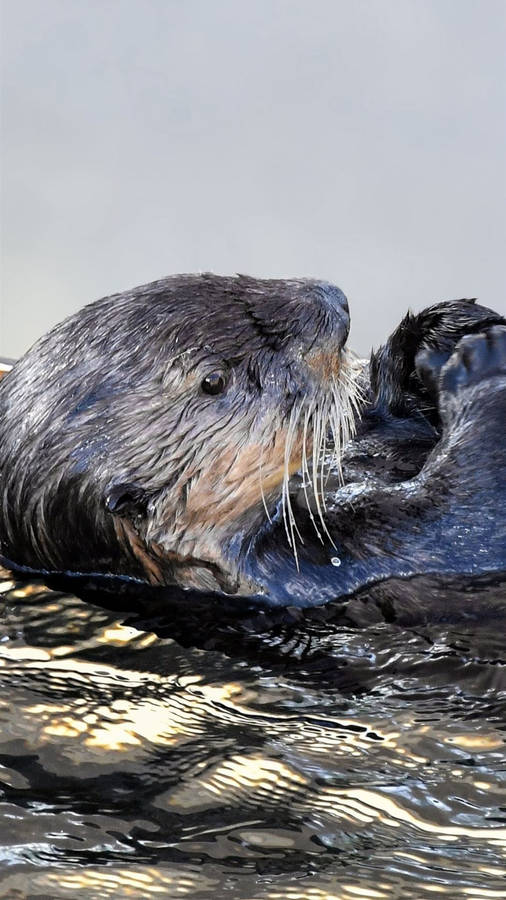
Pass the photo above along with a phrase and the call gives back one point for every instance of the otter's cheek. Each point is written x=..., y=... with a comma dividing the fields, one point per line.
x=198, y=544
x=238, y=484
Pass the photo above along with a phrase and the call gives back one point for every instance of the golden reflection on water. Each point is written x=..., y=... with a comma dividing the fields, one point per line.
x=94, y=884
x=99, y=713
x=366, y=806
x=147, y=882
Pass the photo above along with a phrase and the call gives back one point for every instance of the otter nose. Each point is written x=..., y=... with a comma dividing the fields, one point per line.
x=329, y=316
x=337, y=302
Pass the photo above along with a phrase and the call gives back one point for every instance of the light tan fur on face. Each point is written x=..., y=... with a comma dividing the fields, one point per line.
x=232, y=486
x=227, y=489
x=191, y=537
x=325, y=364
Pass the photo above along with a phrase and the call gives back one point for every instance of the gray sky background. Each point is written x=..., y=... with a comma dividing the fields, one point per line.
x=362, y=141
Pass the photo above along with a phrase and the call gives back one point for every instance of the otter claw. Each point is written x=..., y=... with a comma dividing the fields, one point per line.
x=477, y=357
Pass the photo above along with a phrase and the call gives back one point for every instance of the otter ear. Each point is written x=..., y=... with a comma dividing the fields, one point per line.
x=126, y=500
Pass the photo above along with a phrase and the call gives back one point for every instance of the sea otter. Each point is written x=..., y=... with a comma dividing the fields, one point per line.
x=214, y=434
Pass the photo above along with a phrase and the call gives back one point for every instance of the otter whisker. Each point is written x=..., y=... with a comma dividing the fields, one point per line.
x=340, y=426
x=317, y=428
x=323, y=458
x=292, y=429
x=355, y=397
x=318, y=425
x=262, y=487
x=288, y=516
x=323, y=453
x=306, y=478
x=350, y=374
x=333, y=414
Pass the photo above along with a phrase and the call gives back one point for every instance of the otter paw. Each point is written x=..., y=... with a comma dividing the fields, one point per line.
x=428, y=366
x=476, y=358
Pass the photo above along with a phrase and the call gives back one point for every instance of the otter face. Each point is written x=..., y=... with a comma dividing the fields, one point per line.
x=151, y=434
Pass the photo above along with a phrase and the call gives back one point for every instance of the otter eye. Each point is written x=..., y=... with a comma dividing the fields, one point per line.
x=215, y=383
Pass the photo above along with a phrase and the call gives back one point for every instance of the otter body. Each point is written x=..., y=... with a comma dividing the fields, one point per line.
x=213, y=435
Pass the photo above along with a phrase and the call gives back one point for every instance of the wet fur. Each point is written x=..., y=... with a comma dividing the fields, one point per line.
x=113, y=461
x=424, y=478
x=419, y=490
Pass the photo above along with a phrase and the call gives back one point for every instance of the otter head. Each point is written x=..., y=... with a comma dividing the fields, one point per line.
x=152, y=433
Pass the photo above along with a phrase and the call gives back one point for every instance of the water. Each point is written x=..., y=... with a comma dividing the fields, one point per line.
x=311, y=757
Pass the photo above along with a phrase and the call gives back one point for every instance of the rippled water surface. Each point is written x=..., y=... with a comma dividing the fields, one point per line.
x=310, y=758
